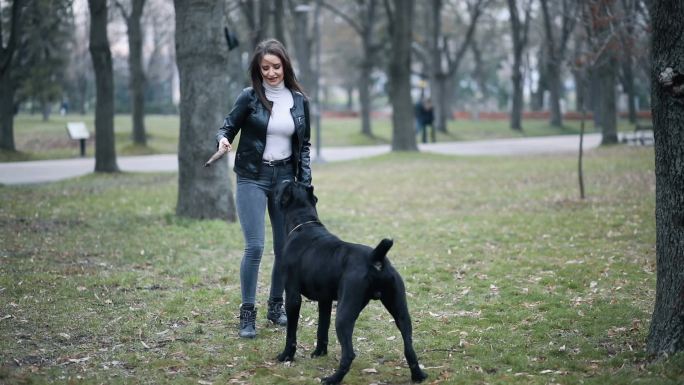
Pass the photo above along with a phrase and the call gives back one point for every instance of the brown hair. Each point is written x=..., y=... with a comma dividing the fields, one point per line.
x=276, y=48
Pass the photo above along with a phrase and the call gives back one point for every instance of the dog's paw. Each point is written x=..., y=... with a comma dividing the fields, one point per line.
x=322, y=351
x=285, y=356
x=418, y=376
x=332, y=380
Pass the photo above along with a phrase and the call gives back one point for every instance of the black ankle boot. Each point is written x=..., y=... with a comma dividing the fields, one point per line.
x=247, y=320
x=276, y=313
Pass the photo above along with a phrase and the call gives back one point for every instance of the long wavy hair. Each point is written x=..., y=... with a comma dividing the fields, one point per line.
x=276, y=48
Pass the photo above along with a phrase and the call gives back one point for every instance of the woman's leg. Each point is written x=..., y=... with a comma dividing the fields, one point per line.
x=251, y=202
x=278, y=228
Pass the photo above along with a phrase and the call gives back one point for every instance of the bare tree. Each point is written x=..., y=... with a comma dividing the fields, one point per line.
x=256, y=13
x=279, y=20
x=444, y=62
x=105, y=153
x=364, y=23
x=666, y=335
x=302, y=40
x=137, y=79
x=400, y=15
x=519, y=35
x=7, y=86
x=556, y=47
x=201, y=55
x=601, y=27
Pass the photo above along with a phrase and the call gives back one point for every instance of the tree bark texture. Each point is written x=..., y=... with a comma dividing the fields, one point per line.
x=105, y=154
x=7, y=86
x=667, y=325
x=403, y=129
x=202, y=55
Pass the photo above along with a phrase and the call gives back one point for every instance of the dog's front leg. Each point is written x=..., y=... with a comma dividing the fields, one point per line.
x=324, y=310
x=293, y=302
x=395, y=303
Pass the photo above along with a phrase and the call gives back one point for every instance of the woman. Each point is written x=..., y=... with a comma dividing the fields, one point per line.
x=273, y=116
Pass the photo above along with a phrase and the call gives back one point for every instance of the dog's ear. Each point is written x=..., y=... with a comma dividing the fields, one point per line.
x=310, y=191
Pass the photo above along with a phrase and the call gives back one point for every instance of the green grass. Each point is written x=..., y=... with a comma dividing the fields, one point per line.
x=35, y=139
x=511, y=278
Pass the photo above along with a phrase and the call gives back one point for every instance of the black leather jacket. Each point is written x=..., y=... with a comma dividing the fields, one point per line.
x=250, y=116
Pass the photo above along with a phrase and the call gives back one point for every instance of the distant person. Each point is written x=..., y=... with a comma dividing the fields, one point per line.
x=425, y=117
x=273, y=117
x=64, y=108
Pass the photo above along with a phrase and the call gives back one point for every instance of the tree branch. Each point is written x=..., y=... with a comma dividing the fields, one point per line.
x=122, y=10
x=476, y=12
x=352, y=23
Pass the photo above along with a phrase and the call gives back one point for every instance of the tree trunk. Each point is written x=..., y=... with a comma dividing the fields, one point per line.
x=279, y=20
x=441, y=100
x=555, y=93
x=365, y=98
x=667, y=324
x=7, y=86
x=608, y=71
x=137, y=82
x=608, y=75
x=437, y=77
x=628, y=85
x=302, y=48
x=595, y=96
x=366, y=30
x=403, y=130
x=202, y=55
x=45, y=109
x=7, y=111
x=105, y=154
x=519, y=37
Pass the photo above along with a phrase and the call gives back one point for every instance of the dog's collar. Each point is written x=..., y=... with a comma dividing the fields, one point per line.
x=302, y=224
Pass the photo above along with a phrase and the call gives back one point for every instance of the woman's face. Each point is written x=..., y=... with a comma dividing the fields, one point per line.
x=272, y=69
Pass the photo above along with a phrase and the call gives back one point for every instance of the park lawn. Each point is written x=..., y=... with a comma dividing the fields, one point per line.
x=511, y=278
x=36, y=139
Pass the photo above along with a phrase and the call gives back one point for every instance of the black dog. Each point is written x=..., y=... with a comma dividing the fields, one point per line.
x=324, y=268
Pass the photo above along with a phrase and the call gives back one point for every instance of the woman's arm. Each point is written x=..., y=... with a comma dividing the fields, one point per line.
x=233, y=122
x=305, y=152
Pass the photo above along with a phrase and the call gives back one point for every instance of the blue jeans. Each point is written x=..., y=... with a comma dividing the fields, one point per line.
x=252, y=197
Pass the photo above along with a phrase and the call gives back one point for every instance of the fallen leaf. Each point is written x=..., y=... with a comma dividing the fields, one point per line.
x=79, y=360
x=369, y=371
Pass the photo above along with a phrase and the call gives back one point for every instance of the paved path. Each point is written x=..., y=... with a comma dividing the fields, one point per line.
x=53, y=170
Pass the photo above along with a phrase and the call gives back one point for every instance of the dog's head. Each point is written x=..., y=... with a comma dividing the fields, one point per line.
x=296, y=197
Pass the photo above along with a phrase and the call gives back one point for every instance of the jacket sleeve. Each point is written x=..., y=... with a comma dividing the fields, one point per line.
x=233, y=122
x=305, y=153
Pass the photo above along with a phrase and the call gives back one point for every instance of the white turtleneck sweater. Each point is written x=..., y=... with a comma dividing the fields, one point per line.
x=280, y=125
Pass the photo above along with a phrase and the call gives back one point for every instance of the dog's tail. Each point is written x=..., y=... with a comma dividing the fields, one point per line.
x=381, y=250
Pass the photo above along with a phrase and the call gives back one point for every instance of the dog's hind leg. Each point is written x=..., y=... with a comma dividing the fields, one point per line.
x=348, y=308
x=324, y=310
x=395, y=302
x=293, y=302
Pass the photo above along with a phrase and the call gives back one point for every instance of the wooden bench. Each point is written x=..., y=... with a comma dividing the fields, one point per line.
x=642, y=135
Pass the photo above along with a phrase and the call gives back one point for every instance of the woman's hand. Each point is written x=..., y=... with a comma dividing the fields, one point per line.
x=225, y=145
